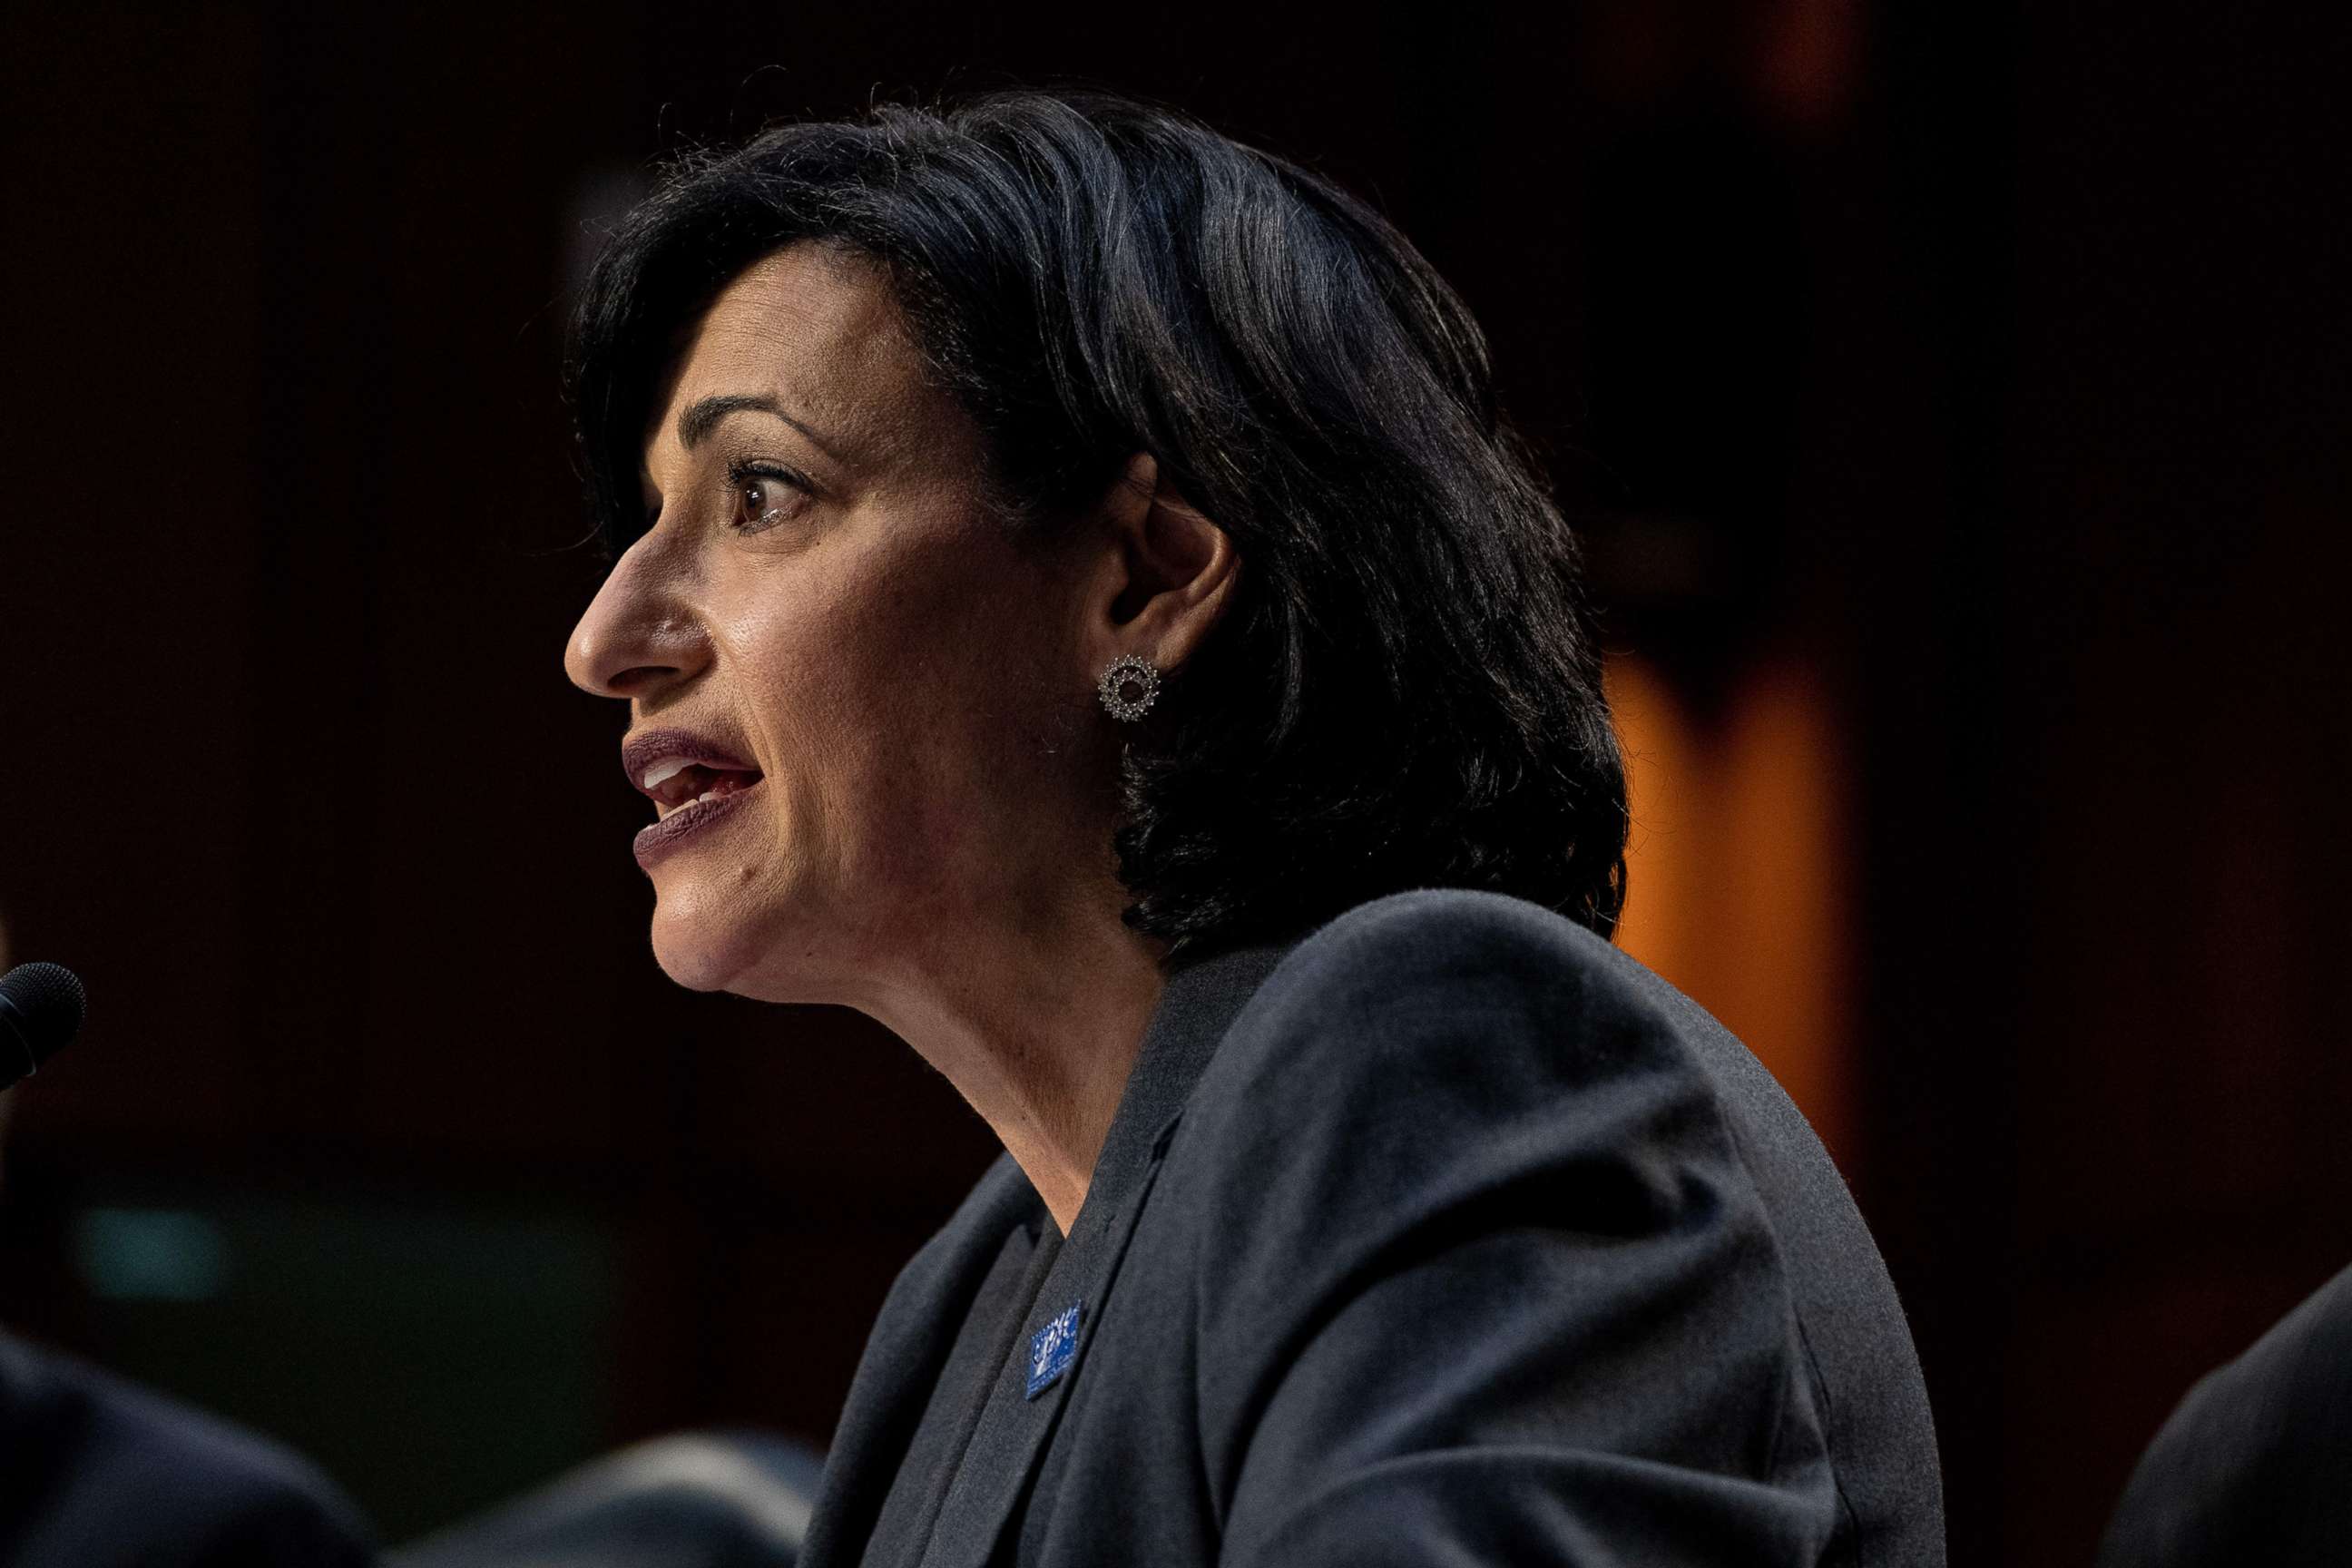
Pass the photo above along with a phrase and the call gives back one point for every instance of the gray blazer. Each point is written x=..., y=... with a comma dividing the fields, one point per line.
x=1448, y=1235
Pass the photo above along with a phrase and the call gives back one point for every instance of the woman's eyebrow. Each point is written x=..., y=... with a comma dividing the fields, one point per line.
x=701, y=417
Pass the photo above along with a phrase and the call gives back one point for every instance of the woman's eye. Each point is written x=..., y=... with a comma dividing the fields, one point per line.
x=763, y=497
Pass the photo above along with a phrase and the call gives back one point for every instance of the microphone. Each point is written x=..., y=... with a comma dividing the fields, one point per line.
x=41, y=1007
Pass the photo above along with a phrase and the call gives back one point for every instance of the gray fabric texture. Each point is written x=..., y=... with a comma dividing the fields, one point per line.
x=1448, y=1235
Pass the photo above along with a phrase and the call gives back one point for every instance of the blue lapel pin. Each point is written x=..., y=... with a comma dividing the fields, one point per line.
x=1052, y=1348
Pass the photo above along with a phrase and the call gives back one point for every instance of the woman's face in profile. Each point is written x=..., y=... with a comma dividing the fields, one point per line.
x=853, y=700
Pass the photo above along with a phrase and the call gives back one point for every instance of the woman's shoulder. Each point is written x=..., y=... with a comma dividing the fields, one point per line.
x=1439, y=961
x=1446, y=999
x=1462, y=1078
x=1433, y=934
x=1457, y=1107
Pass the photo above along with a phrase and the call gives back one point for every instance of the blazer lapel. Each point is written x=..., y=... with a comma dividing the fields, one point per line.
x=1198, y=1006
x=909, y=1343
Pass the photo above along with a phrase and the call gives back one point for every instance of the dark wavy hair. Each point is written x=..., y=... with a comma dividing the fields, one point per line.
x=1404, y=690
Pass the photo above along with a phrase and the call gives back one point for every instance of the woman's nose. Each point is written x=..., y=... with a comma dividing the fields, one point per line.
x=638, y=635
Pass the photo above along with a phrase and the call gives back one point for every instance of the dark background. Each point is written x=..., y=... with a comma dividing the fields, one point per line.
x=1993, y=368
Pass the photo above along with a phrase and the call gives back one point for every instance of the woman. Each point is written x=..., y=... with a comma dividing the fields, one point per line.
x=1077, y=605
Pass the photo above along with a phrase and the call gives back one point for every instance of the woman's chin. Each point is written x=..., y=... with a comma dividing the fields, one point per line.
x=728, y=945
x=691, y=966
x=702, y=953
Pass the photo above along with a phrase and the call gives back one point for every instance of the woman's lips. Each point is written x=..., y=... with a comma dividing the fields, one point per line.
x=649, y=748
x=657, y=840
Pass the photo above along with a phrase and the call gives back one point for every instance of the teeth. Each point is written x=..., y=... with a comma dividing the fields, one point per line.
x=666, y=770
x=726, y=786
x=703, y=799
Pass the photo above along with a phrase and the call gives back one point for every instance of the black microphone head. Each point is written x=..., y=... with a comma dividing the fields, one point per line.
x=41, y=1004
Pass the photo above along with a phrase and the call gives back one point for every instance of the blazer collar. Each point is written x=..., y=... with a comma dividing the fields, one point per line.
x=1198, y=1004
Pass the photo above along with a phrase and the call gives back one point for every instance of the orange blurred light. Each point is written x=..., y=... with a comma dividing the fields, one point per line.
x=1736, y=867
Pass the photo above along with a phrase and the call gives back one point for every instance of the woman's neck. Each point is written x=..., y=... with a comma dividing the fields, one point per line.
x=1039, y=1028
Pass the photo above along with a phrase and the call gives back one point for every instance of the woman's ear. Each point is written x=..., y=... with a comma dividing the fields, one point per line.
x=1167, y=572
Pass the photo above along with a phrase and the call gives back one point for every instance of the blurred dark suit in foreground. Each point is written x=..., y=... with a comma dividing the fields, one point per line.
x=96, y=1473
x=724, y=1499
x=2252, y=1468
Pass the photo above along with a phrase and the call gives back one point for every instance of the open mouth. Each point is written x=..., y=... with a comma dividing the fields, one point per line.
x=678, y=786
x=694, y=782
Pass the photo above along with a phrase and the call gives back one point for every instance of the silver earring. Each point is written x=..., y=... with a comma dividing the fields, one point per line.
x=1128, y=669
